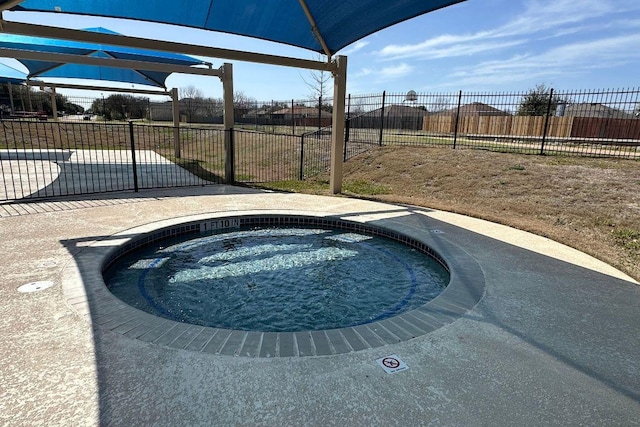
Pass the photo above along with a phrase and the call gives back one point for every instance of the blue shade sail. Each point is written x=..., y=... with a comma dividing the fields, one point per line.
x=53, y=69
x=11, y=75
x=338, y=23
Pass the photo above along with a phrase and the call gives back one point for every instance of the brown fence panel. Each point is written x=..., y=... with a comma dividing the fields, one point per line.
x=439, y=124
x=594, y=127
x=500, y=125
x=312, y=121
x=560, y=127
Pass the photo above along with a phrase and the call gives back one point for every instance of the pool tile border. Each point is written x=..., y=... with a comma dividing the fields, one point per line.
x=86, y=292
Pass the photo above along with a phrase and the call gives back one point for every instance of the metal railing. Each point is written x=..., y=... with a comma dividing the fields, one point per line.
x=71, y=157
x=602, y=123
x=264, y=157
x=50, y=159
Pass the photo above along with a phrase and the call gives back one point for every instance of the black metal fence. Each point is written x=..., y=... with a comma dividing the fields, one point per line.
x=49, y=159
x=265, y=157
x=602, y=123
x=71, y=156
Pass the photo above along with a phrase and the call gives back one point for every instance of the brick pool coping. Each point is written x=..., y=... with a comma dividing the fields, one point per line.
x=87, y=293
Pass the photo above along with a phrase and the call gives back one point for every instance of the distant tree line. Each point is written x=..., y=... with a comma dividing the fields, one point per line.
x=25, y=98
x=120, y=107
x=539, y=101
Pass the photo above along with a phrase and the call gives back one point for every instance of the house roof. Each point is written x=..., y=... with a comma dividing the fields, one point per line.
x=594, y=110
x=301, y=110
x=475, y=109
x=398, y=111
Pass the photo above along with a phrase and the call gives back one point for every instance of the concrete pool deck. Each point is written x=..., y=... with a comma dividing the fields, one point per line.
x=554, y=339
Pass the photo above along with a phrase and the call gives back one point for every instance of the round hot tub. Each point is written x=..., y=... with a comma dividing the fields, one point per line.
x=273, y=284
x=288, y=276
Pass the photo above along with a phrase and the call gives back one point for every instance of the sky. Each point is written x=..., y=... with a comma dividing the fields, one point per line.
x=476, y=45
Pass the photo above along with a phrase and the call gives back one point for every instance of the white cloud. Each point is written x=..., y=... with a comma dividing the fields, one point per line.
x=463, y=48
x=541, y=19
x=565, y=60
x=362, y=73
x=350, y=50
x=433, y=43
x=383, y=74
x=396, y=71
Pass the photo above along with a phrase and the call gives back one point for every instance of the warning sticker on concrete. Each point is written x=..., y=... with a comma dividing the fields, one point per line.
x=392, y=364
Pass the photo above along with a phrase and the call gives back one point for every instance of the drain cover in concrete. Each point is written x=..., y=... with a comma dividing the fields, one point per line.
x=48, y=263
x=35, y=286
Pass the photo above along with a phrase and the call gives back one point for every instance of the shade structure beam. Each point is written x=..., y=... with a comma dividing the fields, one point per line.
x=9, y=4
x=105, y=62
x=144, y=76
x=314, y=29
x=165, y=46
x=42, y=84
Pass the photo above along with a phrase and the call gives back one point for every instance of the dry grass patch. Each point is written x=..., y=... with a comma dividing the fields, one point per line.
x=590, y=204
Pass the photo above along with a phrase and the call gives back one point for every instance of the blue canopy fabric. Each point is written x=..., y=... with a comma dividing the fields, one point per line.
x=338, y=23
x=11, y=75
x=52, y=69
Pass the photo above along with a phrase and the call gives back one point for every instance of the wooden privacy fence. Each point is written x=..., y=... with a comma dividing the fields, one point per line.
x=592, y=127
x=533, y=126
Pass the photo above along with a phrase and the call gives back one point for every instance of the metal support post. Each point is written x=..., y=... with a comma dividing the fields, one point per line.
x=546, y=122
x=13, y=109
x=54, y=104
x=227, y=87
x=384, y=95
x=337, y=128
x=455, y=129
x=175, y=107
x=301, y=176
x=319, y=113
x=133, y=157
x=293, y=118
x=347, y=127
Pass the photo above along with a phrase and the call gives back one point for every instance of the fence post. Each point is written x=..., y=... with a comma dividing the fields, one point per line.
x=301, y=157
x=319, y=112
x=229, y=120
x=273, y=125
x=175, y=112
x=54, y=104
x=384, y=95
x=347, y=128
x=13, y=110
x=546, y=122
x=133, y=157
x=293, y=118
x=230, y=157
x=455, y=128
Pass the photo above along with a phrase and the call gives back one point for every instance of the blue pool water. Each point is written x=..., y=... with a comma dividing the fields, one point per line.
x=278, y=279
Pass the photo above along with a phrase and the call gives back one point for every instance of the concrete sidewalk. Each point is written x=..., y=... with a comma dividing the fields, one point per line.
x=553, y=341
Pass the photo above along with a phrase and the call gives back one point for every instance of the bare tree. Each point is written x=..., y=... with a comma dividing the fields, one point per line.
x=214, y=107
x=318, y=81
x=190, y=100
x=439, y=104
x=242, y=101
x=190, y=92
x=358, y=106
